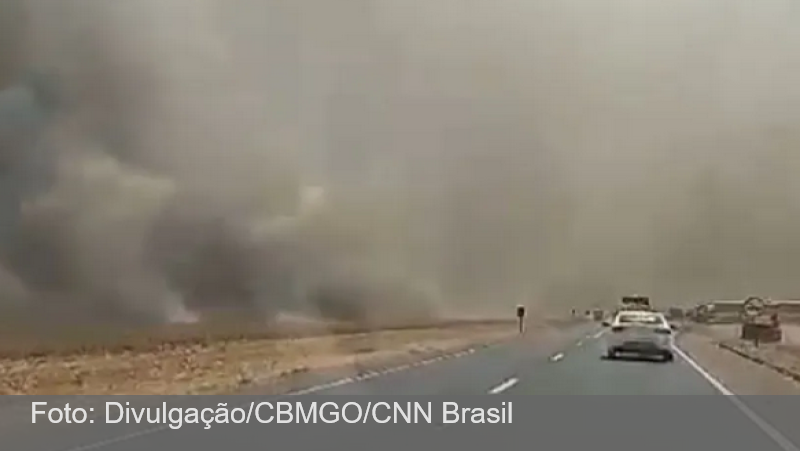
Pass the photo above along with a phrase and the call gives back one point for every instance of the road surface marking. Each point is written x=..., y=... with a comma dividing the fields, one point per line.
x=312, y=389
x=706, y=375
x=598, y=335
x=121, y=438
x=765, y=427
x=315, y=388
x=557, y=357
x=504, y=386
x=580, y=343
x=374, y=374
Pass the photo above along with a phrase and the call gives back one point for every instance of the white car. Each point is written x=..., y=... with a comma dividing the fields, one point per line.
x=643, y=333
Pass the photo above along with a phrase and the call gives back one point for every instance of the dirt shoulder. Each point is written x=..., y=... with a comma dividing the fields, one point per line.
x=231, y=365
x=746, y=370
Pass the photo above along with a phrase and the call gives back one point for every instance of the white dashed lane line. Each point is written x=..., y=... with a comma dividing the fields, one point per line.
x=374, y=374
x=504, y=386
x=579, y=343
x=555, y=358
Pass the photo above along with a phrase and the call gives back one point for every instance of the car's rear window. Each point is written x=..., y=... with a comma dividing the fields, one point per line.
x=640, y=319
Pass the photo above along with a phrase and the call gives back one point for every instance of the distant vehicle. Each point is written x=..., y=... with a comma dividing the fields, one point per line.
x=720, y=312
x=598, y=314
x=676, y=313
x=636, y=301
x=641, y=333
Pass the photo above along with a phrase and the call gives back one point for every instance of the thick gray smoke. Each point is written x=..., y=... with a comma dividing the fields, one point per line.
x=156, y=155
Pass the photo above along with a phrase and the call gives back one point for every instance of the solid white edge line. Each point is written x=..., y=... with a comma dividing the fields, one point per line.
x=312, y=389
x=706, y=375
x=765, y=427
x=504, y=386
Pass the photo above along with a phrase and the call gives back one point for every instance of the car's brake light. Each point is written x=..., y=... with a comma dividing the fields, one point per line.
x=664, y=331
x=617, y=328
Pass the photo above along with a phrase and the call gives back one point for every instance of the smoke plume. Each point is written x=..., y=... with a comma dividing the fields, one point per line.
x=368, y=159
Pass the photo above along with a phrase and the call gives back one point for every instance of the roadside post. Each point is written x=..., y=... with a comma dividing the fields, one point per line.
x=521, y=318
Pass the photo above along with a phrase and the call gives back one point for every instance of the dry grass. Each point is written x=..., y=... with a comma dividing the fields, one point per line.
x=98, y=340
x=185, y=360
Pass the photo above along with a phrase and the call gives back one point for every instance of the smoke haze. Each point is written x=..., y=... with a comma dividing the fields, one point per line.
x=471, y=155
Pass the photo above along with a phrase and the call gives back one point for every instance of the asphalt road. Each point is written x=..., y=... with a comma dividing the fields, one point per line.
x=521, y=367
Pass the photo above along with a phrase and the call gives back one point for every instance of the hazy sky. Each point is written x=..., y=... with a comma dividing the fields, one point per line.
x=475, y=154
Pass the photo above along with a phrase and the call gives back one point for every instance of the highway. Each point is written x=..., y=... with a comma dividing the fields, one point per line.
x=522, y=368
x=518, y=367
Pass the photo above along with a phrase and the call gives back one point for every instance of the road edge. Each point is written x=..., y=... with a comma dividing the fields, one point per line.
x=342, y=374
x=758, y=360
x=762, y=424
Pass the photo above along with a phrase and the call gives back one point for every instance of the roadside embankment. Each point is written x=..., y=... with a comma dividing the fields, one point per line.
x=719, y=346
x=186, y=360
